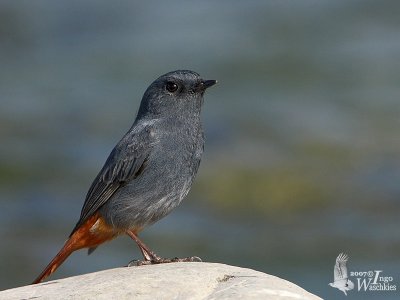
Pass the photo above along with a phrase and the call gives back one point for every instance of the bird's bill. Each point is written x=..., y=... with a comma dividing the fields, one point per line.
x=208, y=83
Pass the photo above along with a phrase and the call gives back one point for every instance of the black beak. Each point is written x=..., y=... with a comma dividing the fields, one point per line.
x=205, y=84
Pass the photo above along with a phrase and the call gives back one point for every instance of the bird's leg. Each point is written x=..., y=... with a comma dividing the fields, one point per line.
x=151, y=258
x=147, y=253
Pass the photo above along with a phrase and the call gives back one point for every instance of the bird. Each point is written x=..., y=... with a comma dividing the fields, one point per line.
x=149, y=171
x=340, y=277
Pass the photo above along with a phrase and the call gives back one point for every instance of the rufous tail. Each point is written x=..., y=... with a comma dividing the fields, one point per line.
x=56, y=262
x=90, y=234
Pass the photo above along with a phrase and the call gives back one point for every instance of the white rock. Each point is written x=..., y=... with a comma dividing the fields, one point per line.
x=166, y=281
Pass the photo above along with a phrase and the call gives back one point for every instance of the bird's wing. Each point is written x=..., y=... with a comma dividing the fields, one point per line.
x=125, y=162
x=340, y=270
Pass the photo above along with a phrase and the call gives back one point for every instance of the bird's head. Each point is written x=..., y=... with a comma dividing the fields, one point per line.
x=349, y=285
x=176, y=93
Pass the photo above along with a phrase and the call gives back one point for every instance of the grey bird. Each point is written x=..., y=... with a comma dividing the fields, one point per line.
x=340, y=275
x=148, y=173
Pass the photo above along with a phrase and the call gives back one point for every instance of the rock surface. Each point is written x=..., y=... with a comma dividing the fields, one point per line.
x=166, y=281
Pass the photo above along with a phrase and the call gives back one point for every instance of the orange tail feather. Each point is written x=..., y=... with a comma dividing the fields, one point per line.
x=90, y=234
x=55, y=263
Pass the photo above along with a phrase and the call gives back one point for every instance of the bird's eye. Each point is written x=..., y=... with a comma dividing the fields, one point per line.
x=171, y=87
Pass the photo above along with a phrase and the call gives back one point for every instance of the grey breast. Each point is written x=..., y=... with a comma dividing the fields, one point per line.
x=169, y=173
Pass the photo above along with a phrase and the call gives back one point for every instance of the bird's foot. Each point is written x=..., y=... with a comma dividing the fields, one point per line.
x=159, y=260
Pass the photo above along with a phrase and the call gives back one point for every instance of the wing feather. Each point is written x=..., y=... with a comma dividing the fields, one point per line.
x=124, y=163
x=340, y=269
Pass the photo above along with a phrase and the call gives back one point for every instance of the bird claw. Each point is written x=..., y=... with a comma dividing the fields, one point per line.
x=194, y=259
x=136, y=263
x=186, y=259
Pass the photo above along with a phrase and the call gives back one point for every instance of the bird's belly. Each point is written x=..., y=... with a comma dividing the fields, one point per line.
x=150, y=196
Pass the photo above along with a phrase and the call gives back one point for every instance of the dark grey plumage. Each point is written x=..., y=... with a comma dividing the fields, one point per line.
x=153, y=166
x=149, y=171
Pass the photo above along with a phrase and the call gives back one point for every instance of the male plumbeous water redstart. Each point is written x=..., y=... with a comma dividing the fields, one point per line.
x=148, y=173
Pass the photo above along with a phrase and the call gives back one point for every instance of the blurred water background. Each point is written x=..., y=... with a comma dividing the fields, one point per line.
x=302, y=155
